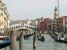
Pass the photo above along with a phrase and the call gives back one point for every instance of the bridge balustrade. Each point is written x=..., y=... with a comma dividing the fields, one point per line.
x=21, y=26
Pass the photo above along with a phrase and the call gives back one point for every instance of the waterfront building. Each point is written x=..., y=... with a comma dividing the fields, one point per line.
x=43, y=24
x=62, y=21
x=50, y=24
x=4, y=21
x=27, y=21
x=65, y=24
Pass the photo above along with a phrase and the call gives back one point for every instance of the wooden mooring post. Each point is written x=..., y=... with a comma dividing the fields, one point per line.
x=34, y=41
x=21, y=39
x=13, y=40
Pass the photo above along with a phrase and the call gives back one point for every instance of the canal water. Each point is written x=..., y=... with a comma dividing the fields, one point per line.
x=49, y=44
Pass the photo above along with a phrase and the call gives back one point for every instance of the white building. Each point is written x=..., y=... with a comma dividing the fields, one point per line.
x=4, y=21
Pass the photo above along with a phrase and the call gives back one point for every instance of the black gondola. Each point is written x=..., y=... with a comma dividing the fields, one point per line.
x=26, y=36
x=40, y=38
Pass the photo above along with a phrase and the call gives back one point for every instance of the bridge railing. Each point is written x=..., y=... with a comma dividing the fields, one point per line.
x=21, y=26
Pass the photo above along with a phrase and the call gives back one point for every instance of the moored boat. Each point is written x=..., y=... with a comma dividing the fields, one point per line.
x=40, y=37
x=4, y=44
x=58, y=39
x=4, y=37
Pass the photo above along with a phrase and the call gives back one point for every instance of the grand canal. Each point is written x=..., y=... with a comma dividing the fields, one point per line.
x=49, y=44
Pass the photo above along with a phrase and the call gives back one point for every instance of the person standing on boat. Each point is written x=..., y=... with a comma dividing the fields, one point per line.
x=58, y=36
x=62, y=36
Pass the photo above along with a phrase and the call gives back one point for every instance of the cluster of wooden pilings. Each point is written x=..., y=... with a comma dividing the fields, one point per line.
x=13, y=38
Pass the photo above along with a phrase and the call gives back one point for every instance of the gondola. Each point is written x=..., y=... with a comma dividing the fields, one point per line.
x=56, y=39
x=41, y=38
x=26, y=36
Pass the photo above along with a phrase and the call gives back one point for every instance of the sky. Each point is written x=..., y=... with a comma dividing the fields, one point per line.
x=31, y=9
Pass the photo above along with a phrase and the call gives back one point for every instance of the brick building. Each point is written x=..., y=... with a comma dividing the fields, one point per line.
x=43, y=24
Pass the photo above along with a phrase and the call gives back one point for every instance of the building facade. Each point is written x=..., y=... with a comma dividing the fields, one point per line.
x=4, y=21
x=64, y=21
x=43, y=24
